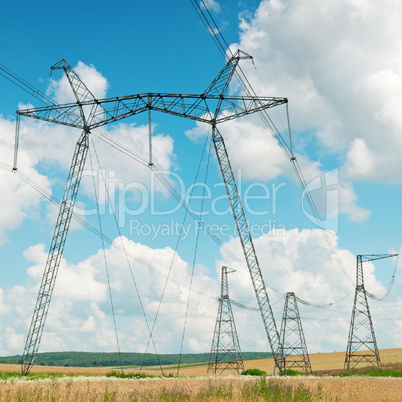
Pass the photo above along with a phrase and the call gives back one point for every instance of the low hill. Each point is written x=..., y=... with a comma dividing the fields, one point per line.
x=94, y=359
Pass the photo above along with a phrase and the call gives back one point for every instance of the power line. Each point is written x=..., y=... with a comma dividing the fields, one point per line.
x=94, y=230
x=106, y=268
x=26, y=86
x=247, y=87
x=128, y=262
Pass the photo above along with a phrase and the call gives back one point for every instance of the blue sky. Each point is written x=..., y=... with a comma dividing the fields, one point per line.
x=336, y=61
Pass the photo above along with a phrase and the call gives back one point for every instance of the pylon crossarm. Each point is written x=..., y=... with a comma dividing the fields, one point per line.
x=374, y=257
x=67, y=115
x=194, y=107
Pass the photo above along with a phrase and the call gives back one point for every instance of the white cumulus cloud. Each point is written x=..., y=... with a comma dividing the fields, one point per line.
x=338, y=64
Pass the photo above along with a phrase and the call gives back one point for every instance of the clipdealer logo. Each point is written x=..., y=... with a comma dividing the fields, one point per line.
x=128, y=200
x=320, y=200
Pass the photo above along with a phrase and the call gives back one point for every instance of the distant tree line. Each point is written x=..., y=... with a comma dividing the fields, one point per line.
x=91, y=359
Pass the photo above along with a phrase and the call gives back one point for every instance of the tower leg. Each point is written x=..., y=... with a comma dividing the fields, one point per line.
x=55, y=254
x=249, y=251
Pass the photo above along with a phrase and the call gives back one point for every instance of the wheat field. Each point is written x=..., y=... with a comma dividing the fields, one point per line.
x=196, y=389
x=90, y=383
x=319, y=362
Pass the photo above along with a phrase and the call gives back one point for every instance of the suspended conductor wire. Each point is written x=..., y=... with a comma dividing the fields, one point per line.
x=324, y=305
x=166, y=183
x=211, y=26
x=178, y=197
x=227, y=17
x=319, y=222
x=215, y=32
x=177, y=242
x=247, y=87
x=161, y=177
x=96, y=231
x=48, y=101
x=299, y=174
x=127, y=259
x=301, y=301
x=195, y=255
x=243, y=306
x=112, y=142
x=390, y=285
x=26, y=86
x=243, y=81
x=120, y=147
x=106, y=267
x=170, y=188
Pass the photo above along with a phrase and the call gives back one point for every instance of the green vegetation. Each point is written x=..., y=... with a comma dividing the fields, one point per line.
x=383, y=373
x=93, y=359
x=293, y=373
x=10, y=377
x=373, y=372
x=119, y=374
x=254, y=372
x=344, y=374
x=274, y=391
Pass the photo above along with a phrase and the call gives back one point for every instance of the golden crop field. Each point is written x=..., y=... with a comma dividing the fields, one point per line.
x=200, y=389
x=82, y=384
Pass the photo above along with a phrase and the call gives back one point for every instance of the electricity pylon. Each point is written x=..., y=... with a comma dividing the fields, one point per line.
x=213, y=107
x=292, y=337
x=362, y=344
x=225, y=350
x=82, y=94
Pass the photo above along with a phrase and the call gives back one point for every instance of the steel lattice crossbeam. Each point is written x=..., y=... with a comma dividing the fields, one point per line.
x=194, y=107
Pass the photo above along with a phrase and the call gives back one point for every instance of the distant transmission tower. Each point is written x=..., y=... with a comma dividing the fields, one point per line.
x=225, y=350
x=362, y=345
x=292, y=337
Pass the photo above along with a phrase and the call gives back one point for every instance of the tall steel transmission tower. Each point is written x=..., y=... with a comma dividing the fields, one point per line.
x=213, y=106
x=82, y=94
x=362, y=344
x=225, y=351
x=292, y=337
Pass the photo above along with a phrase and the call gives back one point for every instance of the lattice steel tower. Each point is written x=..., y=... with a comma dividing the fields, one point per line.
x=292, y=337
x=214, y=106
x=362, y=345
x=225, y=350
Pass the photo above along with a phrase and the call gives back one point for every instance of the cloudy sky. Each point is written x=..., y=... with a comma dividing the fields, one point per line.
x=339, y=65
